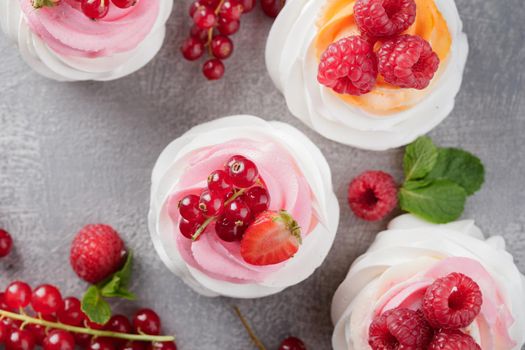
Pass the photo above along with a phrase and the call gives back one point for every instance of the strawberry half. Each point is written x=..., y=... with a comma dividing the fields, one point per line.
x=272, y=238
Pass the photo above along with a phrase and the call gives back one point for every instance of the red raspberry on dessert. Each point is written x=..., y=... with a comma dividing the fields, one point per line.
x=452, y=302
x=407, y=61
x=380, y=18
x=348, y=66
x=399, y=329
x=453, y=340
x=97, y=252
x=372, y=195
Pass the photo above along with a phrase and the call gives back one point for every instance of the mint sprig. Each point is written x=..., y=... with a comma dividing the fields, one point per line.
x=438, y=180
x=94, y=304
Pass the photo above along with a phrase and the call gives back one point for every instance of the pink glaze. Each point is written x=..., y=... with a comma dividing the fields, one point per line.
x=494, y=320
x=288, y=190
x=66, y=30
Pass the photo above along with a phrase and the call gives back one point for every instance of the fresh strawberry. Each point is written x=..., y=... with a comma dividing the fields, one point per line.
x=97, y=252
x=272, y=238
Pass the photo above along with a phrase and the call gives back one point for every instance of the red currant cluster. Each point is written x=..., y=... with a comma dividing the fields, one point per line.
x=233, y=198
x=97, y=9
x=60, y=324
x=214, y=21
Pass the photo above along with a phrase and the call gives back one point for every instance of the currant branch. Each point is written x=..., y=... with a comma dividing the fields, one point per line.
x=94, y=332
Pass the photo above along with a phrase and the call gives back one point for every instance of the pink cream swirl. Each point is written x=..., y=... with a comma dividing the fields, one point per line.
x=297, y=178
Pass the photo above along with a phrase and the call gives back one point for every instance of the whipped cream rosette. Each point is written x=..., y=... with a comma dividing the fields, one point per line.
x=411, y=255
x=295, y=175
x=62, y=43
x=385, y=117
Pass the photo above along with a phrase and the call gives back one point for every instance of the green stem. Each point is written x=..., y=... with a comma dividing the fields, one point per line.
x=209, y=220
x=256, y=341
x=94, y=332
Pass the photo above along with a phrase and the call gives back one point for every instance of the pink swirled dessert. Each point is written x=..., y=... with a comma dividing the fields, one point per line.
x=71, y=40
x=427, y=286
x=242, y=207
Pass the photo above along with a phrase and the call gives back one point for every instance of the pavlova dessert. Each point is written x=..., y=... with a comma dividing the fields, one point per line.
x=69, y=40
x=374, y=74
x=242, y=207
x=428, y=286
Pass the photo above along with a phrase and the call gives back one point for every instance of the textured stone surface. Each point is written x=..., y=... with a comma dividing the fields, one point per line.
x=72, y=154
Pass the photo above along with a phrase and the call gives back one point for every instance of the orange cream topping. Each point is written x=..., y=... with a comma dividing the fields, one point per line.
x=337, y=21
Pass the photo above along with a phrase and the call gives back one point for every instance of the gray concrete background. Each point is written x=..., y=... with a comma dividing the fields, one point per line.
x=72, y=154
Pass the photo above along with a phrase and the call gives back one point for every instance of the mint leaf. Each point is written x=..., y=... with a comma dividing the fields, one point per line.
x=420, y=157
x=95, y=307
x=461, y=167
x=117, y=285
x=438, y=201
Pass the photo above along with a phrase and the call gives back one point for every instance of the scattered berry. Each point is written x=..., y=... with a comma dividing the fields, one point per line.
x=96, y=252
x=219, y=182
x=95, y=9
x=204, y=17
x=192, y=48
x=213, y=69
x=407, y=61
x=272, y=7
x=71, y=312
x=6, y=243
x=189, y=208
x=399, y=329
x=243, y=172
x=221, y=46
x=211, y=203
x=258, y=199
x=453, y=340
x=20, y=339
x=272, y=238
x=292, y=343
x=146, y=321
x=46, y=299
x=348, y=66
x=17, y=295
x=384, y=17
x=452, y=302
x=59, y=340
x=372, y=195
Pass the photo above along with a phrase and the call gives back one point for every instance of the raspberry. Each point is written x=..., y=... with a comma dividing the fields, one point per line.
x=96, y=252
x=453, y=340
x=399, y=329
x=348, y=66
x=452, y=302
x=408, y=62
x=384, y=17
x=372, y=195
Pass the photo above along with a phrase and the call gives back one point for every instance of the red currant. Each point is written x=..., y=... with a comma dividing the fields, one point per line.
x=4, y=332
x=189, y=208
x=95, y=9
x=71, y=313
x=258, y=199
x=93, y=325
x=194, y=7
x=167, y=345
x=199, y=34
x=20, y=339
x=146, y=321
x=204, y=17
x=124, y=4
x=228, y=230
x=6, y=243
x=231, y=10
x=210, y=3
x=192, y=48
x=219, y=181
x=188, y=228
x=3, y=304
x=213, y=69
x=101, y=344
x=247, y=5
x=82, y=340
x=134, y=345
x=17, y=295
x=272, y=7
x=221, y=46
x=59, y=340
x=119, y=324
x=292, y=343
x=211, y=203
x=238, y=212
x=38, y=332
x=228, y=27
x=46, y=299
x=242, y=171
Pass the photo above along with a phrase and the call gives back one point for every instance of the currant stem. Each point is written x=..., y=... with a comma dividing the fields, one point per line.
x=249, y=329
x=97, y=333
x=208, y=221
